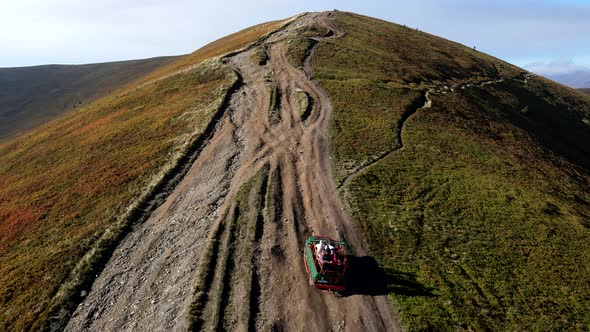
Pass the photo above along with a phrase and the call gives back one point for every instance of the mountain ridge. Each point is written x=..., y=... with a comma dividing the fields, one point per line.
x=34, y=95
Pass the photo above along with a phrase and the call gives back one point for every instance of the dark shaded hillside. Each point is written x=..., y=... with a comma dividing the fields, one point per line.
x=30, y=96
x=468, y=176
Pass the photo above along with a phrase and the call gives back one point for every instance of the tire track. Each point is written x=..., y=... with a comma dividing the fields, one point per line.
x=233, y=299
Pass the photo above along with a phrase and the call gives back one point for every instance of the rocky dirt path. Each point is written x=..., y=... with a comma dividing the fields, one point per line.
x=225, y=249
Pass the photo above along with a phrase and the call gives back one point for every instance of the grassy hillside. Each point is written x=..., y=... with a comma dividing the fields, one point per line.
x=70, y=188
x=377, y=71
x=585, y=91
x=31, y=96
x=481, y=220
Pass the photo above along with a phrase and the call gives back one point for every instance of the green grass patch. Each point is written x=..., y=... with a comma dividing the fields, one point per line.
x=260, y=56
x=299, y=46
x=361, y=105
x=304, y=103
x=312, y=31
x=274, y=104
x=297, y=50
x=492, y=239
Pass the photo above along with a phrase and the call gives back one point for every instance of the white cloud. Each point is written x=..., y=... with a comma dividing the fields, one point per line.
x=560, y=66
x=563, y=70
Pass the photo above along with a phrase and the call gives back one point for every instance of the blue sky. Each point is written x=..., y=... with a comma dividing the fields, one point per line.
x=545, y=34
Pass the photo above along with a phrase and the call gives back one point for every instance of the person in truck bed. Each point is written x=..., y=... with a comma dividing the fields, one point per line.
x=327, y=255
x=320, y=247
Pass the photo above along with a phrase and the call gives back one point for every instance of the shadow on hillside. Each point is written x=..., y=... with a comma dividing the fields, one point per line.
x=365, y=277
x=403, y=283
x=554, y=120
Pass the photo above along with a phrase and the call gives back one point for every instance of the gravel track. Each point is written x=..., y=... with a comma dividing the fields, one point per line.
x=255, y=278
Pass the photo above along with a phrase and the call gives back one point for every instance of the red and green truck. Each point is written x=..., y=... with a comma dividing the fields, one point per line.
x=326, y=263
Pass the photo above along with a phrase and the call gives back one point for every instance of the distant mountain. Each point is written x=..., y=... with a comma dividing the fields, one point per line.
x=576, y=80
x=31, y=96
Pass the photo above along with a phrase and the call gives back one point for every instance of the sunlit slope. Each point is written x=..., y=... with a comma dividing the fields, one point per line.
x=31, y=96
x=474, y=198
x=63, y=185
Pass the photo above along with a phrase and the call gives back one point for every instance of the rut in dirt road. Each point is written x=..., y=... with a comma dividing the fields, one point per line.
x=225, y=249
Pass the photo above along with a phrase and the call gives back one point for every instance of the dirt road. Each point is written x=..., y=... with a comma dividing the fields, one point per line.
x=235, y=225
